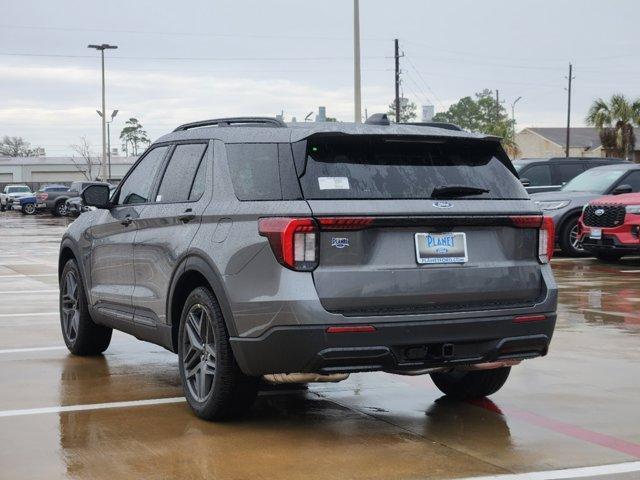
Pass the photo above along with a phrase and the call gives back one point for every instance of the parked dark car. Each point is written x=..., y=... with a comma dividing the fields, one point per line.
x=550, y=174
x=54, y=200
x=252, y=247
x=565, y=206
x=27, y=205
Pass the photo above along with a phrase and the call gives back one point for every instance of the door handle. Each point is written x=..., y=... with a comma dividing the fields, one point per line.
x=187, y=216
x=126, y=221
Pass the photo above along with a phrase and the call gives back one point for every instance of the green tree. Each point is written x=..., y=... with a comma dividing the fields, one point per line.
x=407, y=110
x=17, y=147
x=482, y=114
x=615, y=121
x=133, y=136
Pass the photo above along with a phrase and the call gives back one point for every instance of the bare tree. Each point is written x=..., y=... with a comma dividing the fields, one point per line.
x=18, y=147
x=86, y=162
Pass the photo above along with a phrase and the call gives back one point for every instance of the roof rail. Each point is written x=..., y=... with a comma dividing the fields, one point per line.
x=446, y=126
x=226, y=122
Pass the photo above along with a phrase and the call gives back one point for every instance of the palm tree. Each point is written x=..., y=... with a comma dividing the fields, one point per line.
x=615, y=121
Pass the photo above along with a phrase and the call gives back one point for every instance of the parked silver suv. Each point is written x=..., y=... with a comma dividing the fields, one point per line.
x=252, y=247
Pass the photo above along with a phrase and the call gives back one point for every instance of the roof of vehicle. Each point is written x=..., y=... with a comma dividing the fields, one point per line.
x=617, y=166
x=563, y=159
x=17, y=185
x=54, y=185
x=293, y=132
x=622, y=199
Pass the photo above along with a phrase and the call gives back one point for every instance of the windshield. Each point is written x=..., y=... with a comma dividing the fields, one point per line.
x=518, y=166
x=595, y=180
x=18, y=189
x=374, y=167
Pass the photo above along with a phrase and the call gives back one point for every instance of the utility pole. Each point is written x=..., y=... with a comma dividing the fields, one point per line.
x=397, y=57
x=569, y=78
x=497, y=106
x=103, y=164
x=357, y=101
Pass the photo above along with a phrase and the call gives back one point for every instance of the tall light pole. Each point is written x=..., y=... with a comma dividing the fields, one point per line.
x=357, y=101
x=569, y=78
x=103, y=167
x=513, y=114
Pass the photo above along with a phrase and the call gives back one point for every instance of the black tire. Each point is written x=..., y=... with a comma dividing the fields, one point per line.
x=230, y=392
x=59, y=209
x=81, y=335
x=472, y=384
x=565, y=240
x=28, y=209
x=609, y=256
x=2, y=208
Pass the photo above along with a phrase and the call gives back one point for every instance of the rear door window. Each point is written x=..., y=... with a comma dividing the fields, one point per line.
x=179, y=175
x=538, y=175
x=374, y=167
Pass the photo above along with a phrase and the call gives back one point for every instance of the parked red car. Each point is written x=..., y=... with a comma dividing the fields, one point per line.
x=610, y=226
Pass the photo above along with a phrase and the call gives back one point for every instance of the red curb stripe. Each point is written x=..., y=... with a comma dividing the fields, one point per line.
x=607, y=441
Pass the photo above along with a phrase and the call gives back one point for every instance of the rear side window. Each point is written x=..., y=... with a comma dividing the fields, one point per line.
x=255, y=171
x=538, y=175
x=373, y=167
x=180, y=173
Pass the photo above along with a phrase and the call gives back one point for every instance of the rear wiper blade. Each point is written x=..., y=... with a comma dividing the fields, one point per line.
x=450, y=191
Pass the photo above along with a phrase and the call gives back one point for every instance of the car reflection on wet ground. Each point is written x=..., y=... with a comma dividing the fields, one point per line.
x=121, y=415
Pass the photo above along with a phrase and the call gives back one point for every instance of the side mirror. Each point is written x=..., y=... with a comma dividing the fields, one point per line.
x=96, y=196
x=525, y=182
x=620, y=189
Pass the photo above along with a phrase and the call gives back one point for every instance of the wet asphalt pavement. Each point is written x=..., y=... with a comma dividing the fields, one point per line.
x=121, y=415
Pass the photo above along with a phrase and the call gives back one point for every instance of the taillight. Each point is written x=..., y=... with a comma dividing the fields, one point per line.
x=546, y=240
x=42, y=196
x=294, y=241
x=546, y=233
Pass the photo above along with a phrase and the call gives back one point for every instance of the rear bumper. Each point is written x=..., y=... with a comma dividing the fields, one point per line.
x=393, y=346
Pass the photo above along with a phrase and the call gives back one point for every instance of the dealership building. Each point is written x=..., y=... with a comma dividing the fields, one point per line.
x=36, y=171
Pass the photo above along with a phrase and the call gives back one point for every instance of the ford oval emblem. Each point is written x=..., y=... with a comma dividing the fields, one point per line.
x=442, y=204
x=599, y=212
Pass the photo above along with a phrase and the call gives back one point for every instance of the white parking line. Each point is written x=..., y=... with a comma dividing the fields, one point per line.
x=22, y=292
x=90, y=406
x=22, y=275
x=582, y=472
x=32, y=349
x=37, y=314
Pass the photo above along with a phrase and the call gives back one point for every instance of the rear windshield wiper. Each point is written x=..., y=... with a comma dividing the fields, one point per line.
x=451, y=191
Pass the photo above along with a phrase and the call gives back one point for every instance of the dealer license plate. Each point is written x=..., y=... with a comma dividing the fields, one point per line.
x=441, y=247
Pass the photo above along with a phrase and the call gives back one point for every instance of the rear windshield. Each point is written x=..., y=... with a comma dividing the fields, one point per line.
x=370, y=167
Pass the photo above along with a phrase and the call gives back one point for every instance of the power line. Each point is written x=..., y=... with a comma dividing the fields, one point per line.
x=184, y=34
x=204, y=59
x=425, y=82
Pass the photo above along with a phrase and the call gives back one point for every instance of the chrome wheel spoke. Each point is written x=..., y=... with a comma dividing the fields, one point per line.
x=199, y=361
x=69, y=306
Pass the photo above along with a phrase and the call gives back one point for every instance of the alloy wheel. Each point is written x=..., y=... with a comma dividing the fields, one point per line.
x=199, y=359
x=70, y=306
x=29, y=209
x=62, y=209
x=574, y=238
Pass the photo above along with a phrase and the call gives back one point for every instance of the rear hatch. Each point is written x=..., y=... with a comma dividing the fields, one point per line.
x=414, y=225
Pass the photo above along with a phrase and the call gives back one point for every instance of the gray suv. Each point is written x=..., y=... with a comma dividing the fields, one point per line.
x=256, y=249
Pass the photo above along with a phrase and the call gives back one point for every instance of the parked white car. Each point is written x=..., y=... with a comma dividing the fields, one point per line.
x=11, y=193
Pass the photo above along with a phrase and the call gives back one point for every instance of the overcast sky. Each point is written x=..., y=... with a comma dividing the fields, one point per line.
x=190, y=60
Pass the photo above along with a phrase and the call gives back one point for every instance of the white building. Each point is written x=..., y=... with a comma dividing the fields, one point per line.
x=35, y=171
